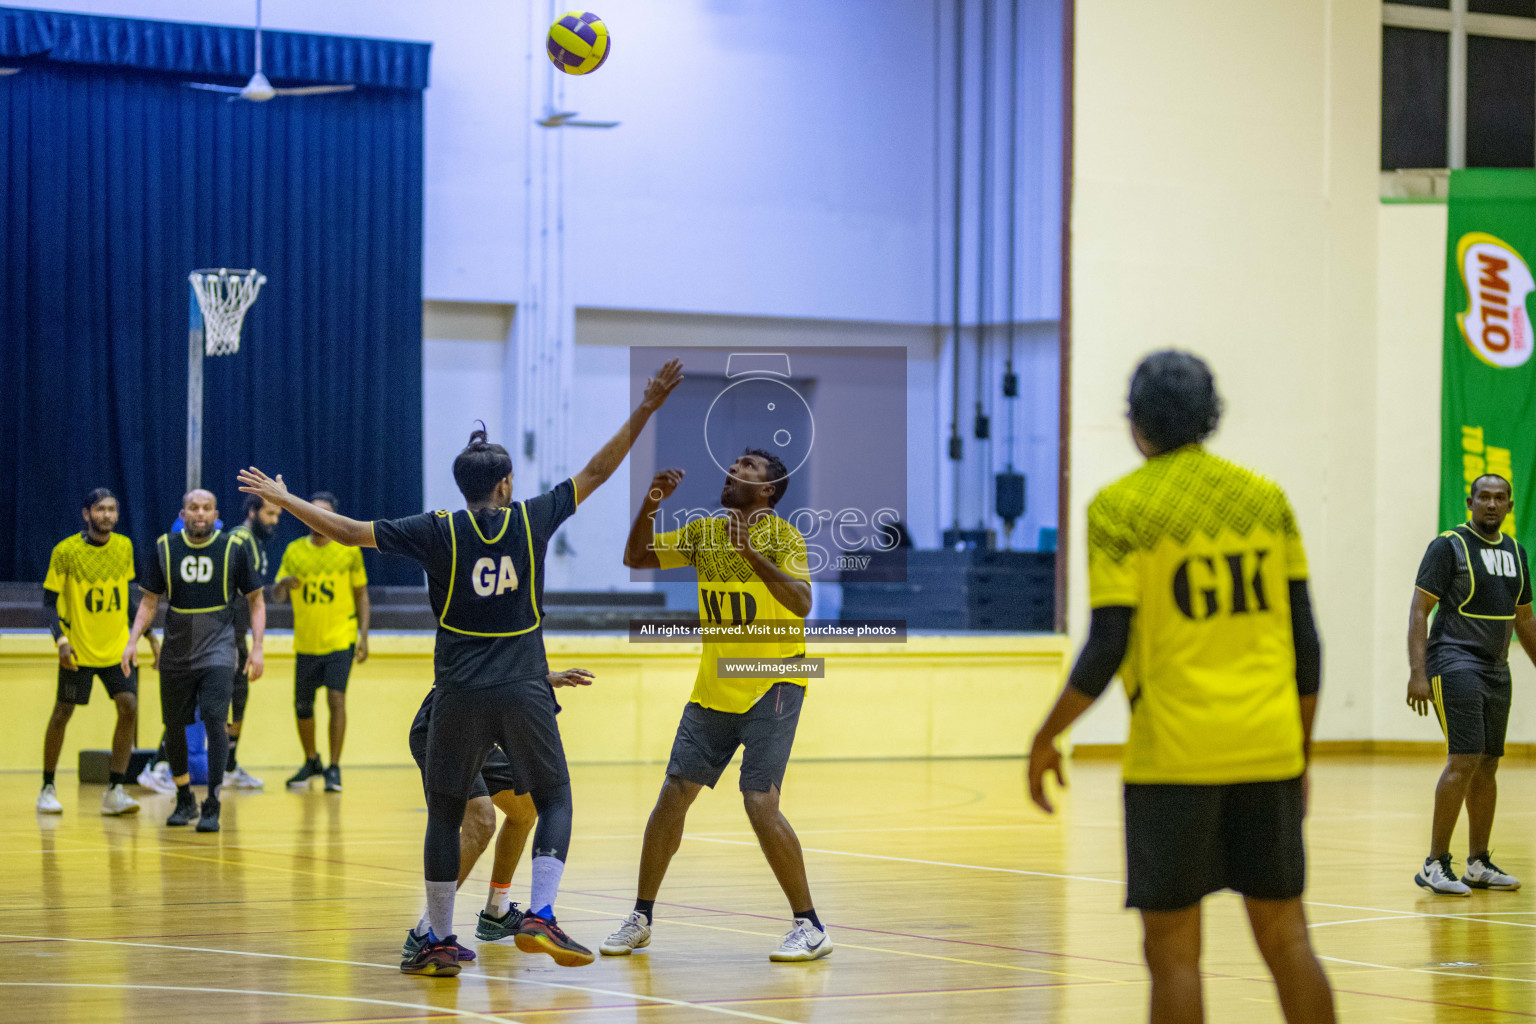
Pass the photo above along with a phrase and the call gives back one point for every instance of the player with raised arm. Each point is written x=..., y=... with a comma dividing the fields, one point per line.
x=1198, y=583
x=202, y=571
x=1480, y=579
x=260, y=523
x=329, y=587
x=485, y=579
x=751, y=567
x=91, y=600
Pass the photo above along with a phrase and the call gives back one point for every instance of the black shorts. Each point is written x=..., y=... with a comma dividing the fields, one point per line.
x=519, y=716
x=75, y=687
x=1473, y=709
x=312, y=671
x=495, y=775
x=1183, y=843
x=182, y=691
x=242, y=690
x=707, y=740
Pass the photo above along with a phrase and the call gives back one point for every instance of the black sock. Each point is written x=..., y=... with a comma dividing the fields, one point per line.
x=645, y=907
x=229, y=762
x=117, y=778
x=810, y=915
x=184, y=790
x=47, y=778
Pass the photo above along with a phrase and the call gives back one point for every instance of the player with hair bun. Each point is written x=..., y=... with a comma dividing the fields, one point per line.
x=485, y=579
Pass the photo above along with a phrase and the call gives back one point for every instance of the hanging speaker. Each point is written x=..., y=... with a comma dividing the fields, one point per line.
x=1010, y=497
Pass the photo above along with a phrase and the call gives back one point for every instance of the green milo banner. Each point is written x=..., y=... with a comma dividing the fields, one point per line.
x=1488, y=391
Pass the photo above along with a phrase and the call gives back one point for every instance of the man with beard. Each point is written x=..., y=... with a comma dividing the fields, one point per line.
x=330, y=631
x=1481, y=581
x=751, y=567
x=202, y=571
x=260, y=522
x=90, y=602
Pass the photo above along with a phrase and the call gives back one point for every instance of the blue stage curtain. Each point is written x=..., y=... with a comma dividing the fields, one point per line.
x=115, y=182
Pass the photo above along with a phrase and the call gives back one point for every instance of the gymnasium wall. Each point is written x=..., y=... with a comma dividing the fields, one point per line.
x=1225, y=200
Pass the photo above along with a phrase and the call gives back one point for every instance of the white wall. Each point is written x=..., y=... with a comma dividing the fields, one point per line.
x=1225, y=201
x=752, y=175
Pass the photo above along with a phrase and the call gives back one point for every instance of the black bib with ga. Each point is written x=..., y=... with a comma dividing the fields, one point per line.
x=493, y=591
x=200, y=625
x=1476, y=618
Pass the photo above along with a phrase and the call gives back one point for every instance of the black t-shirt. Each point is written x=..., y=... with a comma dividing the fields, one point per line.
x=1479, y=586
x=259, y=557
x=203, y=582
x=485, y=579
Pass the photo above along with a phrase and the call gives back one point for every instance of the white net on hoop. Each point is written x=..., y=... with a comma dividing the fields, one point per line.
x=223, y=296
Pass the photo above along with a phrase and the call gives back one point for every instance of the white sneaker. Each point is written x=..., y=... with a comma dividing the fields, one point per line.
x=633, y=934
x=1482, y=873
x=157, y=777
x=48, y=801
x=116, y=801
x=1436, y=876
x=804, y=942
x=242, y=779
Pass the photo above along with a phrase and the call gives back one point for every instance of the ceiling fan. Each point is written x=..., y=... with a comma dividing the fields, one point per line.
x=258, y=89
x=562, y=119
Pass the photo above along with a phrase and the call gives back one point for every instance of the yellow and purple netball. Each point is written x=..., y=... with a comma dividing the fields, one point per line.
x=578, y=42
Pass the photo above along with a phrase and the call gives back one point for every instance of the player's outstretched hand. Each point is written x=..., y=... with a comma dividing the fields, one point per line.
x=664, y=483
x=254, y=481
x=657, y=388
x=1044, y=758
x=1418, y=693
x=571, y=677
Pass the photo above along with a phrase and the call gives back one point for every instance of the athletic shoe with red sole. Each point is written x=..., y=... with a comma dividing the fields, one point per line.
x=437, y=960
x=541, y=935
x=414, y=944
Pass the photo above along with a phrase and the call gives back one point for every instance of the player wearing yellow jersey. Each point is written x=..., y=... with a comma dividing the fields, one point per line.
x=751, y=567
x=330, y=631
x=90, y=602
x=1198, y=584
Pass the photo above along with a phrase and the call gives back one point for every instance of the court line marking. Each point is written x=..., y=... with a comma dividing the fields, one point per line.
x=477, y=976
x=1399, y=914
x=914, y=860
x=1430, y=970
x=263, y=992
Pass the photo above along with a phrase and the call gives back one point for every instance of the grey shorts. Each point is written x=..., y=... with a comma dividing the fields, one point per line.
x=707, y=740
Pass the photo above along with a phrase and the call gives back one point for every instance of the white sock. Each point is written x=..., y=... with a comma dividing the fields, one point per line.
x=500, y=899
x=546, y=885
x=440, y=907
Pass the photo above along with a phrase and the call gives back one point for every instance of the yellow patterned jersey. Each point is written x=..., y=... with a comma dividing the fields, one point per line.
x=731, y=593
x=1204, y=551
x=92, y=583
x=324, y=610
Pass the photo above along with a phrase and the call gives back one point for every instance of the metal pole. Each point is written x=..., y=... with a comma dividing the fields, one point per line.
x=1456, y=121
x=195, y=398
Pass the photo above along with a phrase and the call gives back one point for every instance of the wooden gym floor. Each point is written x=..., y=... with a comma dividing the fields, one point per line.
x=944, y=893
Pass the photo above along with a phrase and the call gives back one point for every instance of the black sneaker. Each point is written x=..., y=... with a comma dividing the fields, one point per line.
x=490, y=928
x=186, y=809
x=209, y=822
x=312, y=768
x=435, y=959
x=333, y=779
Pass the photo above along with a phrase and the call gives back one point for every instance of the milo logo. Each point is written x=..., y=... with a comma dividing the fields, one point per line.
x=1495, y=326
